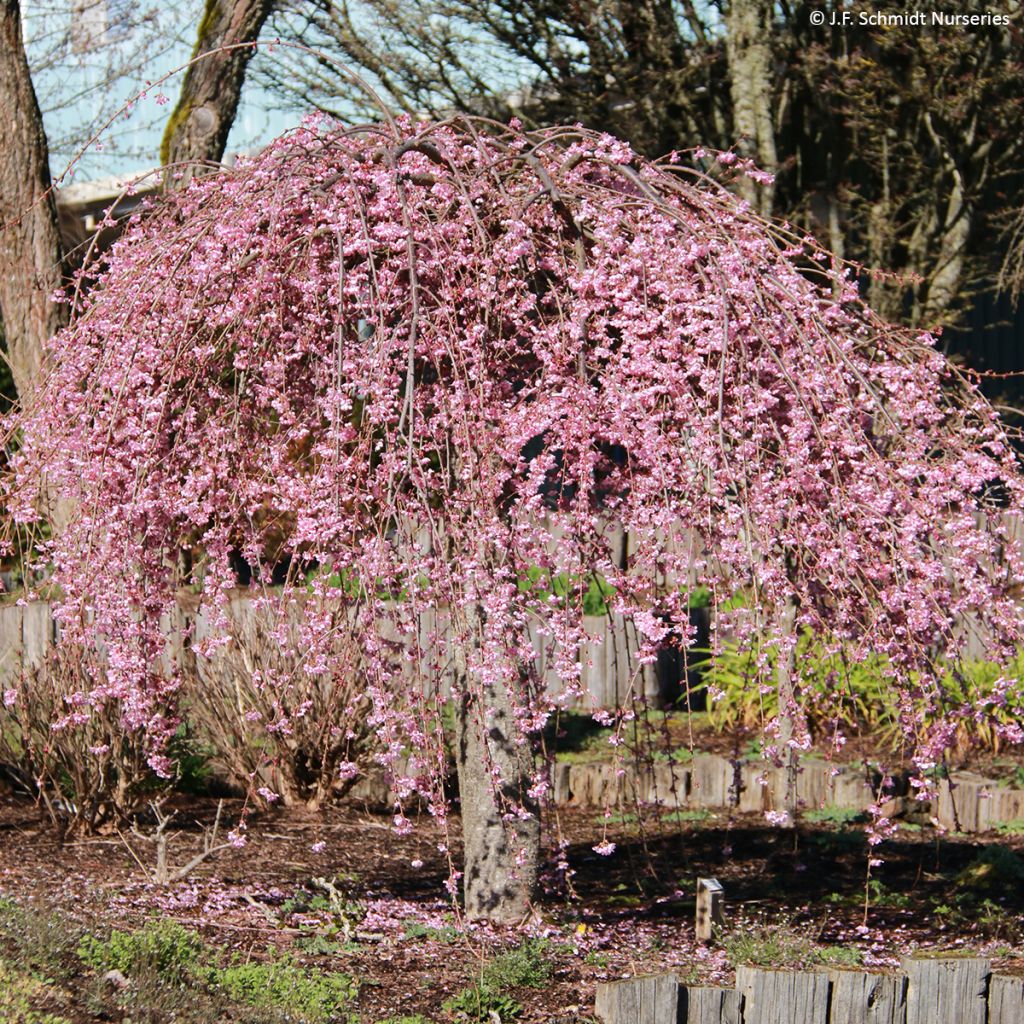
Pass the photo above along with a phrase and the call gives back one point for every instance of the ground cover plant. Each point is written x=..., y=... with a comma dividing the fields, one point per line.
x=380, y=375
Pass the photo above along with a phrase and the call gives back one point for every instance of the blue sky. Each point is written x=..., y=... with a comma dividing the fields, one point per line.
x=90, y=57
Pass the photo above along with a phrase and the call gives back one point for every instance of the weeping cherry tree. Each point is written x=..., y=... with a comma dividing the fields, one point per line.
x=405, y=366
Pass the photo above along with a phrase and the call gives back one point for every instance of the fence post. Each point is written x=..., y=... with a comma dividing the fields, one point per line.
x=861, y=998
x=947, y=991
x=649, y=1000
x=706, y=1004
x=782, y=997
x=1005, y=1000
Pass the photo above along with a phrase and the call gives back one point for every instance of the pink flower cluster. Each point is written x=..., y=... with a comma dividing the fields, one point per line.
x=402, y=366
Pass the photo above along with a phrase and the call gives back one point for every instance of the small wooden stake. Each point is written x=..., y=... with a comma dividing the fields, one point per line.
x=710, y=908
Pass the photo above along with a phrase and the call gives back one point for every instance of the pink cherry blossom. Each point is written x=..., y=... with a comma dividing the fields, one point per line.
x=404, y=366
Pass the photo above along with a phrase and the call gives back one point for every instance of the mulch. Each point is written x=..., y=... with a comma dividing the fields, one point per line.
x=605, y=917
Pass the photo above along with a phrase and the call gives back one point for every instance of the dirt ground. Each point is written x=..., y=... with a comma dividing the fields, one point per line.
x=795, y=897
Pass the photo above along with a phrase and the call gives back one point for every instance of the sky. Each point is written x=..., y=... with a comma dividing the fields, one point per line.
x=91, y=59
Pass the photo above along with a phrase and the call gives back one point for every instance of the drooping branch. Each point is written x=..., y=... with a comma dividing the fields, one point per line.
x=427, y=366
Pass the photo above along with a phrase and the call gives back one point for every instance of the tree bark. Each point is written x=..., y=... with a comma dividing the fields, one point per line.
x=785, y=681
x=749, y=53
x=494, y=767
x=199, y=126
x=30, y=249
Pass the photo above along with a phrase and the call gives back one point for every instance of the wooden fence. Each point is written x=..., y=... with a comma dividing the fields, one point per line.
x=610, y=673
x=958, y=990
x=966, y=802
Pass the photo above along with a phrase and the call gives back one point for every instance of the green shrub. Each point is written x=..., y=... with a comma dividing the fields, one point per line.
x=163, y=948
x=478, y=1005
x=858, y=694
x=526, y=966
x=283, y=985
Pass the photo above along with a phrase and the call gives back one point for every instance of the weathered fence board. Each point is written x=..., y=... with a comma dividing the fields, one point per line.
x=610, y=674
x=1005, y=1000
x=708, y=1005
x=957, y=990
x=711, y=783
x=649, y=1000
x=947, y=991
x=782, y=997
x=861, y=998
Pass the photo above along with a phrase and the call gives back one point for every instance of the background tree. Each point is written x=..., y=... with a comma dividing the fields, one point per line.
x=899, y=147
x=429, y=367
x=30, y=249
x=199, y=126
x=30, y=238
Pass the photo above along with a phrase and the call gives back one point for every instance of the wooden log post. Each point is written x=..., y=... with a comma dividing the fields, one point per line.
x=711, y=781
x=947, y=991
x=963, y=801
x=648, y=1000
x=782, y=997
x=1005, y=1000
x=707, y=1004
x=862, y=998
x=710, y=908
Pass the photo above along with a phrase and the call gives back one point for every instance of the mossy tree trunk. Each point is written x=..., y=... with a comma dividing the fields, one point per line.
x=199, y=126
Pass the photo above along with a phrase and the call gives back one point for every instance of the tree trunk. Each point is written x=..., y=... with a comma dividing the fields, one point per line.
x=749, y=53
x=199, y=126
x=30, y=249
x=494, y=768
x=785, y=677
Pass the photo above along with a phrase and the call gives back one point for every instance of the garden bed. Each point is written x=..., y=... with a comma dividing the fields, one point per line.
x=380, y=921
